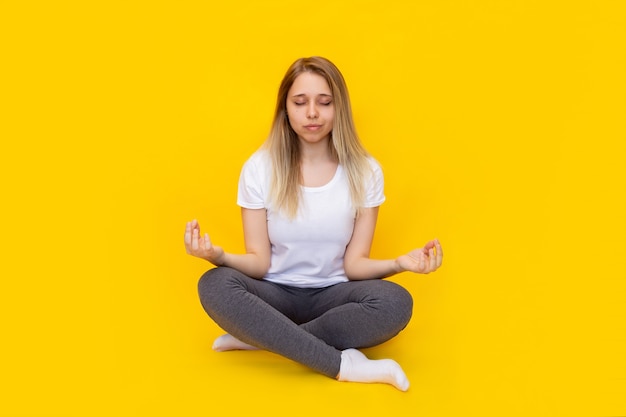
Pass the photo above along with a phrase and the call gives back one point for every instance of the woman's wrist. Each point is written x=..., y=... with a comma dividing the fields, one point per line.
x=396, y=267
x=219, y=261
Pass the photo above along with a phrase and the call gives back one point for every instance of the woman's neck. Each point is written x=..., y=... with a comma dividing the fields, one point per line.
x=315, y=152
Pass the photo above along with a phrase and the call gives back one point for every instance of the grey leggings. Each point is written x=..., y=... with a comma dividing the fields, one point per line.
x=308, y=325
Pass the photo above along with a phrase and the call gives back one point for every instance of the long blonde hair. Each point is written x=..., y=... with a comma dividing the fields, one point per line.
x=345, y=145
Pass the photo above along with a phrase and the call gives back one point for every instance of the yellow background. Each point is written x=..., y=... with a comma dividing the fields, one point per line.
x=501, y=129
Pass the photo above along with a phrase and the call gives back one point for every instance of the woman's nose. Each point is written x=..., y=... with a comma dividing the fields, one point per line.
x=312, y=111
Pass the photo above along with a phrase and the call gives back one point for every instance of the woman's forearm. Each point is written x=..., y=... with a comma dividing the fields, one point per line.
x=250, y=264
x=366, y=268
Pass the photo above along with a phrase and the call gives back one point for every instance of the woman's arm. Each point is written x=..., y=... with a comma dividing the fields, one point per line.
x=359, y=266
x=254, y=263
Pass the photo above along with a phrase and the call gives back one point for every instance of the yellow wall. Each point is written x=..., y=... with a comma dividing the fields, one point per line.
x=501, y=129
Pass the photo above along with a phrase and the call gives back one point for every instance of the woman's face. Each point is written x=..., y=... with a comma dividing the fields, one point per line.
x=310, y=107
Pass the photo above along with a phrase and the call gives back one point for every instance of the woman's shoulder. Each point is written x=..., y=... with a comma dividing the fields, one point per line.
x=254, y=181
x=260, y=159
x=375, y=166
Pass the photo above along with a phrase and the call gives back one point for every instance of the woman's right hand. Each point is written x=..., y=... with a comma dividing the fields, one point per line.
x=201, y=246
x=424, y=260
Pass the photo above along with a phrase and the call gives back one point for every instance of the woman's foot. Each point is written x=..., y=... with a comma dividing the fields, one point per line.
x=356, y=367
x=227, y=342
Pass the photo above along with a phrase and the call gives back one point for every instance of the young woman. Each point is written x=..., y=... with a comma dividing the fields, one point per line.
x=306, y=288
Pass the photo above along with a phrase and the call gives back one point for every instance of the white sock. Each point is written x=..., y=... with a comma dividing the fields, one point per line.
x=228, y=342
x=356, y=367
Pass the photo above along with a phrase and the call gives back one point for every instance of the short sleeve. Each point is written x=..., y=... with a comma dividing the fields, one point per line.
x=375, y=187
x=252, y=184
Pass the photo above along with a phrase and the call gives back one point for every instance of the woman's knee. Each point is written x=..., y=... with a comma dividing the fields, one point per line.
x=212, y=281
x=203, y=283
x=399, y=301
x=405, y=302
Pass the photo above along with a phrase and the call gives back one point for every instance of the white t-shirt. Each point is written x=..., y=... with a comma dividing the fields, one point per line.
x=307, y=251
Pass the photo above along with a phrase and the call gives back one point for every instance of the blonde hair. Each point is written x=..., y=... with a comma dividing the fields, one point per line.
x=284, y=146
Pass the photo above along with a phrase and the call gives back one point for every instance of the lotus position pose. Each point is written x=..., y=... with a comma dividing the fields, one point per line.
x=306, y=287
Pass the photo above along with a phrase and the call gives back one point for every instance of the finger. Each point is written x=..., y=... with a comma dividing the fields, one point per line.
x=439, y=253
x=188, y=233
x=205, y=243
x=201, y=244
x=432, y=260
x=429, y=245
x=194, y=240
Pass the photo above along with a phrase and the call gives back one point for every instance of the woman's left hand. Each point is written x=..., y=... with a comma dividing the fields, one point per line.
x=424, y=260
